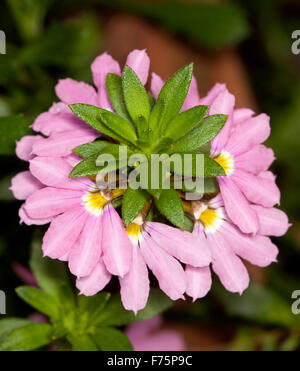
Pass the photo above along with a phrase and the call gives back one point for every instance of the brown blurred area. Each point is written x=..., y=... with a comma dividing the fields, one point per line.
x=124, y=32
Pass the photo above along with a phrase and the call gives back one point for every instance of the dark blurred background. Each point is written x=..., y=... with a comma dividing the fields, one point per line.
x=246, y=44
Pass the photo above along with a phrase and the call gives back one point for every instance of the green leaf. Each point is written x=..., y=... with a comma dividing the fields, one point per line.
x=191, y=167
x=169, y=204
x=114, y=313
x=111, y=339
x=151, y=100
x=39, y=299
x=135, y=96
x=119, y=125
x=173, y=95
x=82, y=342
x=210, y=185
x=5, y=192
x=9, y=324
x=50, y=274
x=115, y=92
x=89, y=149
x=133, y=203
x=212, y=25
x=29, y=337
x=92, y=115
x=12, y=128
x=188, y=224
x=199, y=135
x=185, y=121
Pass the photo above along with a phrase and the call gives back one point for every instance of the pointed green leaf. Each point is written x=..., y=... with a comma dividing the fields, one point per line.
x=89, y=149
x=9, y=324
x=90, y=165
x=114, y=313
x=115, y=92
x=151, y=100
x=199, y=135
x=90, y=307
x=119, y=125
x=29, y=337
x=169, y=204
x=111, y=339
x=173, y=93
x=39, y=300
x=157, y=116
x=133, y=203
x=86, y=167
x=135, y=96
x=50, y=274
x=91, y=115
x=185, y=121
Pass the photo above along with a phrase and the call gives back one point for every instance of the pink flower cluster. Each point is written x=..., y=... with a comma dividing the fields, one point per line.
x=87, y=232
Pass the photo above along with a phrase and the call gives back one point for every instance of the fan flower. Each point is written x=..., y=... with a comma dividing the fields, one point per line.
x=81, y=217
x=228, y=244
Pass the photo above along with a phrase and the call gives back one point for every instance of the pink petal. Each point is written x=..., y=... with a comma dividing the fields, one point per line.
x=87, y=250
x=63, y=232
x=70, y=91
x=101, y=66
x=183, y=245
x=48, y=202
x=54, y=172
x=273, y=222
x=259, y=158
x=24, y=184
x=249, y=133
x=24, y=218
x=257, y=189
x=117, y=248
x=62, y=144
x=237, y=207
x=139, y=61
x=95, y=282
x=166, y=269
x=24, y=147
x=156, y=85
x=228, y=267
x=192, y=99
x=223, y=104
x=135, y=284
x=212, y=94
x=258, y=250
x=59, y=118
x=267, y=175
x=198, y=281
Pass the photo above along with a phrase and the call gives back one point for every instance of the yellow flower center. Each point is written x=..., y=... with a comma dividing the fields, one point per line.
x=225, y=159
x=94, y=202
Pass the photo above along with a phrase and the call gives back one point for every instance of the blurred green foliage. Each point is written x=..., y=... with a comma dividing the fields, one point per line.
x=51, y=39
